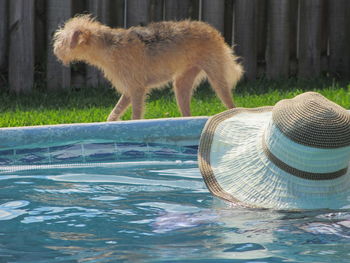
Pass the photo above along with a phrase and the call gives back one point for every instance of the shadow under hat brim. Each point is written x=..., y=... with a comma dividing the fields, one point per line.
x=235, y=167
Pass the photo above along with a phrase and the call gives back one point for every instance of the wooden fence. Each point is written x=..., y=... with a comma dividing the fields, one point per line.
x=274, y=38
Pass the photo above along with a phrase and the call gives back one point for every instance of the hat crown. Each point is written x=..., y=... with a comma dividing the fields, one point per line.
x=312, y=120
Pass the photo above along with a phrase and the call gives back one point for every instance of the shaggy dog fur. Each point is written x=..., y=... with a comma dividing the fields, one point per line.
x=138, y=59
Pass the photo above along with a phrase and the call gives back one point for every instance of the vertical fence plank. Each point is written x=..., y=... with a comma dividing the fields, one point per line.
x=40, y=29
x=261, y=28
x=310, y=38
x=156, y=12
x=245, y=35
x=21, y=50
x=228, y=24
x=101, y=10
x=178, y=10
x=40, y=43
x=79, y=7
x=339, y=38
x=117, y=8
x=57, y=76
x=324, y=37
x=3, y=34
x=137, y=12
x=78, y=70
x=293, y=37
x=277, y=53
x=213, y=13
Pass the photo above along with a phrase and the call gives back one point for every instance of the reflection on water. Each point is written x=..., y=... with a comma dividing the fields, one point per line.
x=159, y=213
x=10, y=210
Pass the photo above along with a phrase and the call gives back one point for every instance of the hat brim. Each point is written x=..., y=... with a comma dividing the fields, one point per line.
x=235, y=167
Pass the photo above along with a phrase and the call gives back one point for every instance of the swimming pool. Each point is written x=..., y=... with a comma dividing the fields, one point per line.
x=132, y=192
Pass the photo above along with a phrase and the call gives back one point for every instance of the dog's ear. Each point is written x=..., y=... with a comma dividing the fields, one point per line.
x=75, y=38
x=79, y=37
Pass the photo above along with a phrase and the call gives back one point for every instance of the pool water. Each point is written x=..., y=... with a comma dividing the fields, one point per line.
x=132, y=192
x=151, y=211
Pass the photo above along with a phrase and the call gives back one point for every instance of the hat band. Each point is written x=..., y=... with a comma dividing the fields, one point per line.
x=299, y=173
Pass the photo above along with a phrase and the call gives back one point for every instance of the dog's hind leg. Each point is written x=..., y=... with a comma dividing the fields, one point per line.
x=221, y=86
x=119, y=108
x=223, y=91
x=183, y=85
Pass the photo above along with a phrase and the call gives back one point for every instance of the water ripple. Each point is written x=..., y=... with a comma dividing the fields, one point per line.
x=10, y=210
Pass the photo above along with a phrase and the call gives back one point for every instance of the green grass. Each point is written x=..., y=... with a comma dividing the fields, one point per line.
x=94, y=105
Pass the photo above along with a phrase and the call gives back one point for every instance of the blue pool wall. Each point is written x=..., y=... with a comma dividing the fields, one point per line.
x=101, y=142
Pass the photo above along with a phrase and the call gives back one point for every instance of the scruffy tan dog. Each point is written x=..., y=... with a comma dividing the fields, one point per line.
x=138, y=59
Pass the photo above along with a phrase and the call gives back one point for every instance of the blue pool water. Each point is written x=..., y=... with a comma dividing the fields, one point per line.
x=105, y=200
x=151, y=211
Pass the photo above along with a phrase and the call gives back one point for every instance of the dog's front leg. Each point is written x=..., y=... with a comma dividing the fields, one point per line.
x=119, y=108
x=137, y=102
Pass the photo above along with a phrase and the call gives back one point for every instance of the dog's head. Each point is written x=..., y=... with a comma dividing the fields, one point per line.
x=71, y=40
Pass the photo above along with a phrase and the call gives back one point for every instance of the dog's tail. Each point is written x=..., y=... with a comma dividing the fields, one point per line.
x=233, y=70
x=222, y=69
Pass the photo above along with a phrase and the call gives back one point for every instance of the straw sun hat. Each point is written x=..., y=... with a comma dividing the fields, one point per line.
x=294, y=155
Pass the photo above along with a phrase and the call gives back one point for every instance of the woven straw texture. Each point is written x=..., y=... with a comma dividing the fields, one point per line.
x=236, y=168
x=310, y=115
x=204, y=151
